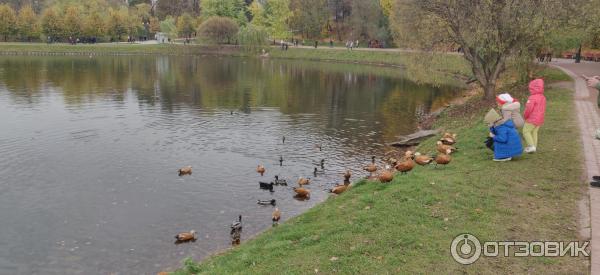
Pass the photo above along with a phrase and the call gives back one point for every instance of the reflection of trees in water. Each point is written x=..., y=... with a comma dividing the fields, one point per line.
x=335, y=91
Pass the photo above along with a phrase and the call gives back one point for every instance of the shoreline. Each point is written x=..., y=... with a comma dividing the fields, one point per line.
x=374, y=227
x=448, y=66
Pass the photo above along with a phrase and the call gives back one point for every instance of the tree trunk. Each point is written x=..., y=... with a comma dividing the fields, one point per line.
x=489, y=90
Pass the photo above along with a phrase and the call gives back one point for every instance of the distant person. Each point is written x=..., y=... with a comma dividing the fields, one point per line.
x=535, y=111
x=356, y=45
x=316, y=43
x=506, y=139
x=351, y=45
x=330, y=43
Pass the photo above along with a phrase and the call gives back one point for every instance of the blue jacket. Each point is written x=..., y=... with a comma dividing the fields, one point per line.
x=507, y=142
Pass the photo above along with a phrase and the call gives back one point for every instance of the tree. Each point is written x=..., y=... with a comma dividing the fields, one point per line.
x=8, y=20
x=117, y=22
x=488, y=32
x=51, y=24
x=72, y=22
x=340, y=11
x=154, y=25
x=94, y=26
x=368, y=21
x=185, y=25
x=218, y=29
x=169, y=27
x=235, y=9
x=253, y=38
x=27, y=24
x=273, y=16
x=309, y=17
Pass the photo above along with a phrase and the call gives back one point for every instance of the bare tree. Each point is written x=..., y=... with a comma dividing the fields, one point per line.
x=488, y=32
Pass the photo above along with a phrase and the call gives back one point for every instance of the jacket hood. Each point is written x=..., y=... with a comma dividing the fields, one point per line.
x=491, y=117
x=536, y=87
x=515, y=106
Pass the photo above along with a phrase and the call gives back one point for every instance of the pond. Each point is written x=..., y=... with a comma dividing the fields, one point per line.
x=90, y=148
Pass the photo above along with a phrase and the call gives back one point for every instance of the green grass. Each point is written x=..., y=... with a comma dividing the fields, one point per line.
x=407, y=226
x=554, y=75
x=113, y=48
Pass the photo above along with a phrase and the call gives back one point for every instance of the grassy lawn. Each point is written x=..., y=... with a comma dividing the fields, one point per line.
x=407, y=226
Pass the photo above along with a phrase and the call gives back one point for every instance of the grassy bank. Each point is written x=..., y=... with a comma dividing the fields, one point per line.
x=407, y=226
x=113, y=49
x=419, y=66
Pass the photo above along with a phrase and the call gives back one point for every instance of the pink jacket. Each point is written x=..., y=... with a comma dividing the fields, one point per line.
x=535, y=109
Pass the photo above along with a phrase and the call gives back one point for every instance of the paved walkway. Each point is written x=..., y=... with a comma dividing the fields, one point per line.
x=589, y=120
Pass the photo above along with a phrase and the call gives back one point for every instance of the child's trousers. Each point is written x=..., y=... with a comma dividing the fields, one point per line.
x=530, y=133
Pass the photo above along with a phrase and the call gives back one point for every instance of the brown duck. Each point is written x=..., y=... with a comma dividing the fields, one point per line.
x=422, y=159
x=407, y=164
x=445, y=149
x=442, y=159
x=261, y=170
x=187, y=170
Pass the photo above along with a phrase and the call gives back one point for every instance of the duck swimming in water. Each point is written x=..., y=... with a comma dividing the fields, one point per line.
x=261, y=170
x=266, y=185
x=266, y=202
x=280, y=181
x=187, y=170
x=186, y=236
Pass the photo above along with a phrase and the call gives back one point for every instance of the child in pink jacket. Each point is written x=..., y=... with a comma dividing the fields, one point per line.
x=535, y=110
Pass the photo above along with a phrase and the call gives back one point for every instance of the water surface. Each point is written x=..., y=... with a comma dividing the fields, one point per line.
x=90, y=147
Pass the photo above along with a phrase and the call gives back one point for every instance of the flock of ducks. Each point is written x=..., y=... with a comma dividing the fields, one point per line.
x=445, y=147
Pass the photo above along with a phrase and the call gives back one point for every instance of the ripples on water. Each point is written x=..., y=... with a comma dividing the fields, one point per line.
x=89, y=151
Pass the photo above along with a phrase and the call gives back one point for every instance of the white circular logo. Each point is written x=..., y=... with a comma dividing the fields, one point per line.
x=465, y=249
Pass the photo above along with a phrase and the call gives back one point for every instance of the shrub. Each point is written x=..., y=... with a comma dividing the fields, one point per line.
x=218, y=30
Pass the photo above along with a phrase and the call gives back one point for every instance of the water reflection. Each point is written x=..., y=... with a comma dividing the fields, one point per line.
x=90, y=147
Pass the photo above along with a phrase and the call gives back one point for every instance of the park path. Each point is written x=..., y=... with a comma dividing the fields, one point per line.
x=588, y=118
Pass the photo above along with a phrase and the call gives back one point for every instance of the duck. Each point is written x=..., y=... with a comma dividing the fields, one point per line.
x=266, y=202
x=347, y=176
x=280, y=160
x=279, y=181
x=386, y=175
x=373, y=159
x=371, y=168
x=303, y=181
x=187, y=170
x=422, y=159
x=236, y=231
x=448, y=141
x=276, y=216
x=186, y=236
x=302, y=192
x=407, y=164
x=266, y=185
x=445, y=149
x=442, y=159
x=261, y=170
x=317, y=172
x=340, y=188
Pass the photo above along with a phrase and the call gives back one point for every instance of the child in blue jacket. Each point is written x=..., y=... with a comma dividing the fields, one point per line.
x=507, y=142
